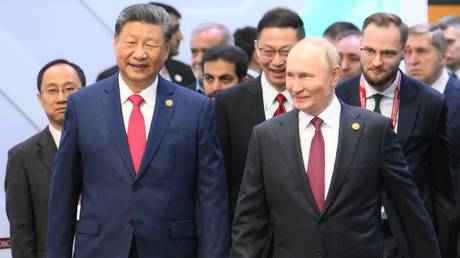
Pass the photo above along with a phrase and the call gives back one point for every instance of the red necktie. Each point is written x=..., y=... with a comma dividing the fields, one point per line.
x=315, y=170
x=136, y=132
x=281, y=110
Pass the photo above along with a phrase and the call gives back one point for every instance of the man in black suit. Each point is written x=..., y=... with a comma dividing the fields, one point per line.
x=244, y=38
x=240, y=108
x=418, y=114
x=451, y=29
x=173, y=70
x=29, y=166
x=316, y=174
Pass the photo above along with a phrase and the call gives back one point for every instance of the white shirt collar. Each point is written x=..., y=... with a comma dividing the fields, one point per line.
x=441, y=83
x=253, y=73
x=330, y=115
x=269, y=92
x=148, y=94
x=56, y=134
x=389, y=92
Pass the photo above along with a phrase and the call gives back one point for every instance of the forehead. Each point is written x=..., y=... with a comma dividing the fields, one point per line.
x=419, y=40
x=142, y=30
x=59, y=72
x=219, y=67
x=278, y=36
x=349, y=44
x=381, y=38
x=206, y=38
x=452, y=32
x=307, y=59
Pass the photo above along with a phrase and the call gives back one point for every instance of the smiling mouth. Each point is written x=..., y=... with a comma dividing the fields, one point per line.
x=139, y=66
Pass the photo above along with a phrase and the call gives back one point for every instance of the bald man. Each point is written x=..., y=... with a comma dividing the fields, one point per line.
x=316, y=173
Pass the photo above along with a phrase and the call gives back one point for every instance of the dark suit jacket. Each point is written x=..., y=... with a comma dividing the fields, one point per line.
x=237, y=110
x=27, y=184
x=422, y=131
x=179, y=72
x=175, y=207
x=368, y=160
x=452, y=93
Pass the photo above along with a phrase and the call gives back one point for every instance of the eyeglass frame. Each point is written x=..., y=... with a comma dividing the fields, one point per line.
x=384, y=54
x=54, y=91
x=274, y=52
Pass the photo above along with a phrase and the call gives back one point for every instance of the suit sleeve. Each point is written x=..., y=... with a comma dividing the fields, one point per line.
x=250, y=231
x=65, y=189
x=403, y=194
x=19, y=208
x=214, y=236
x=440, y=168
x=221, y=121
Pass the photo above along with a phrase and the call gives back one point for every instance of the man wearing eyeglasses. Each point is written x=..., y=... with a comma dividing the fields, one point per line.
x=240, y=108
x=28, y=172
x=418, y=115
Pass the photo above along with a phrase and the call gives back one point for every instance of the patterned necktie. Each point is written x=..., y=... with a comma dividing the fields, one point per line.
x=280, y=110
x=377, y=97
x=316, y=160
x=136, y=132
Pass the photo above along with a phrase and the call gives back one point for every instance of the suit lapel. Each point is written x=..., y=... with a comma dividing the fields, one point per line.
x=289, y=142
x=352, y=91
x=113, y=114
x=46, y=149
x=348, y=143
x=452, y=94
x=408, y=109
x=254, y=104
x=165, y=105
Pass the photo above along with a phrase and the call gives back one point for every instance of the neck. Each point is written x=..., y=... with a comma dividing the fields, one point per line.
x=56, y=126
x=255, y=67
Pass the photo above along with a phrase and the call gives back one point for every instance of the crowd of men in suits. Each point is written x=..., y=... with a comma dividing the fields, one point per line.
x=281, y=146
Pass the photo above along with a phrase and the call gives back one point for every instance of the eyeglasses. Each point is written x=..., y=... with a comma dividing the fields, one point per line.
x=53, y=91
x=385, y=54
x=269, y=53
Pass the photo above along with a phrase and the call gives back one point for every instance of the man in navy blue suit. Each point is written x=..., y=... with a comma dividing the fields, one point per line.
x=418, y=114
x=143, y=155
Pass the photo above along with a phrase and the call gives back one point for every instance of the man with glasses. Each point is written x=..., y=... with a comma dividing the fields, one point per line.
x=28, y=171
x=242, y=107
x=418, y=116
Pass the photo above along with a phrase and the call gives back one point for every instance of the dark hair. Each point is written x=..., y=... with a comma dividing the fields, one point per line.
x=385, y=20
x=244, y=39
x=147, y=13
x=169, y=9
x=77, y=68
x=281, y=18
x=335, y=30
x=231, y=54
x=348, y=33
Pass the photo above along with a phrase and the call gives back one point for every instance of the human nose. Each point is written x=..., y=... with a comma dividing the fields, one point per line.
x=139, y=52
x=377, y=60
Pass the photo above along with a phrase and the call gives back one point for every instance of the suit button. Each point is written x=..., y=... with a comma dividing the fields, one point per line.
x=131, y=222
x=318, y=253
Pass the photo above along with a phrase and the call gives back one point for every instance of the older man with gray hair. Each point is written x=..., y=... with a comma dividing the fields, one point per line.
x=205, y=36
x=143, y=154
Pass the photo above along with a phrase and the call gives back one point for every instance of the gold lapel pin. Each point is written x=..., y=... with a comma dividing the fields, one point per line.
x=178, y=78
x=169, y=102
x=355, y=126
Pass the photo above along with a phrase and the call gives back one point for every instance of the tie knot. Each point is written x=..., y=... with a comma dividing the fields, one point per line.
x=377, y=97
x=280, y=98
x=316, y=122
x=136, y=100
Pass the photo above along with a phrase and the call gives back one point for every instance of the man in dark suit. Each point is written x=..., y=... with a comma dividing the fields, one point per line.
x=242, y=107
x=316, y=173
x=173, y=70
x=244, y=39
x=418, y=114
x=144, y=156
x=425, y=59
x=28, y=171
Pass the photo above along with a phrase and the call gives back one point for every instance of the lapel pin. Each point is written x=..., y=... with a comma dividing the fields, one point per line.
x=169, y=102
x=355, y=126
x=178, y=78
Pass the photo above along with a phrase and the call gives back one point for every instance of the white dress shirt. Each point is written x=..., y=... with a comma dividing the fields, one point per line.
x=149, y=95
x=441, y=83
x=386, y=103
x=269, y=94
x=330, y=131
x=56, y=134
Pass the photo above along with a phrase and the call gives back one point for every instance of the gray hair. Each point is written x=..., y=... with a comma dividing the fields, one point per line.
x=227, y=37
x=434, y=33
x=450, y=21
x=146, y=13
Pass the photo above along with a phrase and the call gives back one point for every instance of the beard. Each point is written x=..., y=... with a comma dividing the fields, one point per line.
x=383, y=82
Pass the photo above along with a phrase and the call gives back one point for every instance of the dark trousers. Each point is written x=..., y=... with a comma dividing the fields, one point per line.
x=391, y=249
x=133, y=251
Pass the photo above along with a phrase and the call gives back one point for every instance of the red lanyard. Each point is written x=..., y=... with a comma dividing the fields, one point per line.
x=396, y=98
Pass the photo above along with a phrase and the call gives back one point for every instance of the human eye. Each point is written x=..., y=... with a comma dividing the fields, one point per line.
x=389, y=53
x=285, y=52
x=268, y=52
x=227, y=79
x=51, y=91
x=208, y=78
